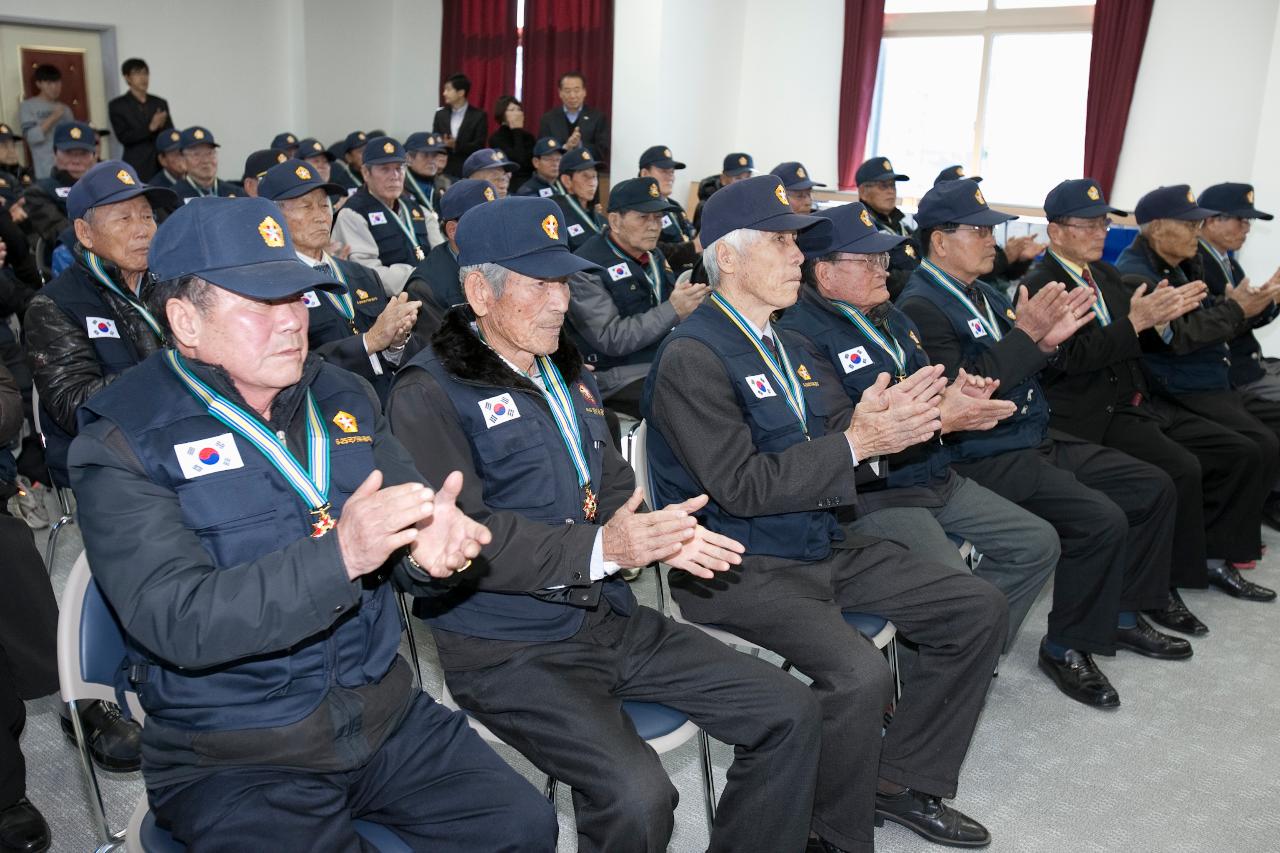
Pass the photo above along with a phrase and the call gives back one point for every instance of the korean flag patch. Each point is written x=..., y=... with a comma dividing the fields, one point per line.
x=208, y=456
x=619, y=271
x=760, y=386
x=575, y=230
x=62, y=192
x=377, y=217
x=498, y=410
x=854, y=359
x=545, y=192
x=310, y=299
x=666, y=220
x=101, y=327
x=979, y=331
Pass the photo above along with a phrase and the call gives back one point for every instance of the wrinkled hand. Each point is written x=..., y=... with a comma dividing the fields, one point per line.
x=887, y=420
x=1038, y=314
x=1077, y=311
x=980, y=387
x=337, y=249
x=376, y=522
x=706, y=553
x=1252, y=300
x=18, y=211
x=633, y=539
x=1022, y=248
x=394, y=324
x=687, y=296
x=1162, y=305
x=967, y=404
x=448, y=540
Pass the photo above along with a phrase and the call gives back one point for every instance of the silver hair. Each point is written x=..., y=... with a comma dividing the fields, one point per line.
x=495, y=274
x=740, y=239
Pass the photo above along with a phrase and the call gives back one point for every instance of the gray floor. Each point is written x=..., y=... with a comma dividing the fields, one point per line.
x=1190, y=762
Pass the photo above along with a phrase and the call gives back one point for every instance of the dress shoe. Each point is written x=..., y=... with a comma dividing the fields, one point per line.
x=1229, y=581
x=1176, y=617
x=22, y=828
x=818, y=844
x=929, y=817
x=114, y=742
x=1079, y=677
x=1145, y=640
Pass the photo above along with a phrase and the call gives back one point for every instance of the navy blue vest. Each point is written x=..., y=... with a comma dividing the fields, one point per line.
x=676, y=227
x=242, y=515
x=393, y=246
x=576, y=229
x=804, y=535
x=525, y=469
x=627, y=283
x=1026, y=427
x=441, y=273
x=325, y=323
x=221, y=188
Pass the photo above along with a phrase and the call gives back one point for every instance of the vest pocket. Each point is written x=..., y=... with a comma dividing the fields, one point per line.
x=515, y=465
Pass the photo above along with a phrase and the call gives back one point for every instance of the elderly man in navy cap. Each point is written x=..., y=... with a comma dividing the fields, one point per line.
x=357, y=328
x=579, y=210
x=541, y=641
x=173, y=166
x=545, y=181
x=799, y=186
x=679, y=238
x=251, y=540
x=286, y=142
x=200, y=152
x=492, y=165
x=733, y=409
x=738, y=166
x=75, y=150
x=256, y=165
x=877, y=182
x=435, y=282
x=388, y=231
x=853, y=335
x=420, y=151
x=347, y=153
x=1114, y=514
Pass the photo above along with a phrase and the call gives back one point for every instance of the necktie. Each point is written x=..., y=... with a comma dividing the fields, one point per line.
x=1088, y=279
x=767, y=340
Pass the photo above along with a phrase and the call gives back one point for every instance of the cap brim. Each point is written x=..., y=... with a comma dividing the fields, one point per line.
x=156, y=195
x=302, y=189
x=814, y=225
x=594, y=164
x=984, y=217
x=1194, y=214
x=78, y=145
x=434, y=149
x=1093, y=211
x=271, y=280
x=552, y=262
x=806, y=184
x=815, y=243
x=385, y=158
x=653, y=205
x=1258, y=214
x=739, y=170
x=1247, y=213
x=665, y=164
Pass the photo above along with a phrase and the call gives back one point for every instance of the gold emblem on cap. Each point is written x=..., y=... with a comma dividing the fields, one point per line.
x=316, y=146
x=781, y=194
x=742, y=161
x=360, y=135
x=488, y=194
x=1248, y=196
x=289, y=138
x=800, y=172
x=666, y=152
x=199, y=134
x=497, y=155
x=388, y=148
x=303, y=172
x=885, y=164
x=1093, y=193
x=3, y=182
x=281, y=157
x=550, y=225
x=978, y=195
x=586, y=155
x=910, y=250
x=866, y=218
x=272, y=233
x=551, y=142
x=1190, y=197
x=174, y=135
x=653, y=190
x=76, y=133
x=4, y=128
x=124, y=177
x=959, y=171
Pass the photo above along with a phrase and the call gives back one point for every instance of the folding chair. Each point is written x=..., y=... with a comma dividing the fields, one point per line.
x=62, y=490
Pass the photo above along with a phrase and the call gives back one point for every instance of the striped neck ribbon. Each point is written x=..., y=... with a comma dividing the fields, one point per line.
x=99, y=272
x=653, y=274
x=201, y=191
x=1100, y=309
x=404, y=219
x=416, y=188
x=780, y=368
x=1224, y=262
x=557, y=394
x=884, y=341
x=340, y=301
x=582, y=213
x=950, y=285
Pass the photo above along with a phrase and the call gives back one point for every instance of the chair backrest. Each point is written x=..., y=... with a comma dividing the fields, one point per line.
x=91, y=645
x=640, y=460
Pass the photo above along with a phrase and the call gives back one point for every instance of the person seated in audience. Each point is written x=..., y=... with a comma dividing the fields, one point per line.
x=738, y=166
x=512, y=139
x=286, y=142
x=463, y=126
x=318, y=159
x=173, y=166
x=1114, y=514
x=620, y=312
x=852, y=336
x=877, y=182
x=1014, y=258
x=256, y=165
x=258, y=601
x=84, y=330
x=75, y=150
x=540, y=640
x=420, y=151
x=578, y=125
x=545, y=180
x=435, y=283
x=1098, y=391
x=387, y=231
x=200, y=153
x=357, y=328
x=347, y=153
x=1221, y=238
x=679, y=239
x=798, y=184
x=580, y=179
x=9, y=156
x=492, y=165
x=730, y=412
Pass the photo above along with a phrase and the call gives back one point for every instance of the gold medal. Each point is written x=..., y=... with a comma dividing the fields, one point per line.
x=588, y=503
x=323, y=522
x=421, y=255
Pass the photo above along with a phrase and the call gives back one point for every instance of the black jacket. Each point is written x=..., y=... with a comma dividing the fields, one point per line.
x=1246, y=352
x=470, y=138
x=903, y=258
x=517, y=144
x=593, y=124
x=131, y=121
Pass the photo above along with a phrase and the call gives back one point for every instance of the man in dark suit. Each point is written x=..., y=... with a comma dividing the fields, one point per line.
x=137, y=116
x=730, y=413
x=464, y=127
x=574, y=122
x=1098, y=392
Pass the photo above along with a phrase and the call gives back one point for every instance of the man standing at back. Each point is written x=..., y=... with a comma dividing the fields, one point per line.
x=574, y=122
x=137, y=116
x=463, y=126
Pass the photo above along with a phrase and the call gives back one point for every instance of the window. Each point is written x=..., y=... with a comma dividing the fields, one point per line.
x=997, y=86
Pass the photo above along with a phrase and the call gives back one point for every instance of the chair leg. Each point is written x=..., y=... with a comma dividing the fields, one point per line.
x=708, y=780
x=51, y=546
x=413, y=644
x=551, y=789
x=892, y=653
x=96, y=810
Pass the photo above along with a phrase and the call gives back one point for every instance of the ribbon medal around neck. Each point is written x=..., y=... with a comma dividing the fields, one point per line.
x=946, y=283
x=885, y=341
x=99, y=272
x=792, y=391
x=1100, y=309
x=561, y=404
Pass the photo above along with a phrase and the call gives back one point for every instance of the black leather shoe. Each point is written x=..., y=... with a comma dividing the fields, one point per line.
x=1229, y=581
x=821, y=845
x=22, y=828
x=114, y=742
x=1079, y=677
x=1176, y=617
x=1145, y=640
x=929, y=817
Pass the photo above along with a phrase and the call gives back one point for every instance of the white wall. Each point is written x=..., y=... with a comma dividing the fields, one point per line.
x=1261, y=255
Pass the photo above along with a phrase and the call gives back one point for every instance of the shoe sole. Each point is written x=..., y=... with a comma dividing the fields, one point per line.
x=1049, y=672
x=1202, y=631
x=882, y=816
x=1147, y=653
x=1241, y=596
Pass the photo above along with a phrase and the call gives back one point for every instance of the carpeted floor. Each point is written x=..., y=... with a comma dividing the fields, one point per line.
x=1190, y=762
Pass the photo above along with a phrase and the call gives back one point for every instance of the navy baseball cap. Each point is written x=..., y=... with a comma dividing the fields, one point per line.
x=1232, y=200
x=1081, y=197
x=6, y=132
x=292, y=178
x=312, y=147
x=1172, y=202
x=794, y=176
x=954, y=173
x=639, y=194
x=464, y=195
x=73, y=136
x=487, y=158
x=284, y=140
x=196, y=135
x=382, y=149
x=851, y=231
x=877, y=169
x=577, y=160
x=424, y=142
x=257, y=163
x=168, y=140
x=354, y=139
x=109, y=182
x=239, y=244
x=759, y=203
x=548, y=145
x=737, y=163
x=521, y=233
x=960, y=202
x=660, y=156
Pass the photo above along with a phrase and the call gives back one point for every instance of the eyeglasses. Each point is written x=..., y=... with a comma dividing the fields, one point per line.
x=1103, y=224
x=1193, y=224
x=982, y=231
x=878, y=261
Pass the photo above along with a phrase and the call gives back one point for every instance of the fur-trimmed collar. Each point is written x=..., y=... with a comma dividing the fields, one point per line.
x=463, y=354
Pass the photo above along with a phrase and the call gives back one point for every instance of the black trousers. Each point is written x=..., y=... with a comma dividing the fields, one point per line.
x=13, y=718
x=957, y=620
x=1222, y=478
x=1245, y=413
x=1114, y=515
x=560, y=705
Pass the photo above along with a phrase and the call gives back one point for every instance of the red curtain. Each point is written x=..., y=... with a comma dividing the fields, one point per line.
x=1119, y=33
x=479, y=39
x=863, y=27
x=567, y=35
